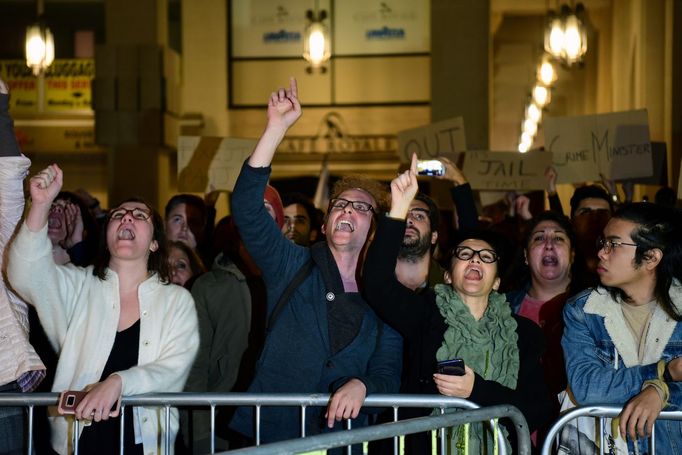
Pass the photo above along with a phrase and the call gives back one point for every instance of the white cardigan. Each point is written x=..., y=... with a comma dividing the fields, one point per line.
x=80, y=315
x=17, y=356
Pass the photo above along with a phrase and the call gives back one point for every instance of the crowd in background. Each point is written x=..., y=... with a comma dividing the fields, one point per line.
x=547, y=311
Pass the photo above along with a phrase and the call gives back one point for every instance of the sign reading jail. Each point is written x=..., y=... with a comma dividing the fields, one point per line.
x=503, y=171
x=210, y=163
x=430, y=141
x=615, y=145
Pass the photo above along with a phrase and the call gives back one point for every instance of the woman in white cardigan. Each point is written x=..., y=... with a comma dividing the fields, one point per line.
x=119, y=327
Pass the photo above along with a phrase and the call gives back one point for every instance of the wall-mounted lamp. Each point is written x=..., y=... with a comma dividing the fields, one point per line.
x=566, y=35
x=316, y=40
x=39, y=47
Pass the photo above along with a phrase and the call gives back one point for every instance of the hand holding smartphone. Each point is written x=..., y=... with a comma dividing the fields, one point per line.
x=453, y=367
x=430, y=167
x=69, y=401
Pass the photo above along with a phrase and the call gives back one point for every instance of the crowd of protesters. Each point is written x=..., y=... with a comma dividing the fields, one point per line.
x=545, y=311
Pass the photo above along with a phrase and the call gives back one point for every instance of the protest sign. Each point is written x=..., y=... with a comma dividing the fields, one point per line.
x=615, y=145
x=206, y=163
x=430, y=141
x=502, y=171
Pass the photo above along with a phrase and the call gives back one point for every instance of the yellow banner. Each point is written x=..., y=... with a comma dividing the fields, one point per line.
x=67, y=86
x=23, y=86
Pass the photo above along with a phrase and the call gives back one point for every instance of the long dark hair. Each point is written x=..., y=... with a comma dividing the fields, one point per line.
x=157, y=261
x=658, y=227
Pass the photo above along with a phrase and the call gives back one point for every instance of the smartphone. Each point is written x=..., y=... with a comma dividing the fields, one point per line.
x=69, y=400
x=453, y=367
x=430, y=167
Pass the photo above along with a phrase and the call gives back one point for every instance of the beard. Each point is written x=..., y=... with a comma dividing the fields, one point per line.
x=413, y=248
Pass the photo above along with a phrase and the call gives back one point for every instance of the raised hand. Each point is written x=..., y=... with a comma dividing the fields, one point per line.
x=283, y=106
x=452, y=172
x=4, y=89
x=46, y=184
x=522, y=207
x=74, y=224
x=403, y=189
x=550, y=176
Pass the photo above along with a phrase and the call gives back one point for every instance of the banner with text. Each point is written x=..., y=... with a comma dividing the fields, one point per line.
x=210, y=163
x=616, y=145
x=431, y=141
x=504, y=171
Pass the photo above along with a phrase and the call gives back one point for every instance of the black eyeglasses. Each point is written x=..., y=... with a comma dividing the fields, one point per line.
x=465, y=253
x=609, y=245
x=137, y=213
x=340, y=204
x=418, y=214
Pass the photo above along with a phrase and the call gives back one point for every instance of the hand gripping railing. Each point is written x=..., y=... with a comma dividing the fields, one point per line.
x=388, y=430
x=602, y=412
x=211, y=400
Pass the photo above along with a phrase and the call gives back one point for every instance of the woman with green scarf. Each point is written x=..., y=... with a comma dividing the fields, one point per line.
x=463, y=318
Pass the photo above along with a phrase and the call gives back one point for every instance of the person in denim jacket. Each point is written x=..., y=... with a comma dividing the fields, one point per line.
x=622, y=341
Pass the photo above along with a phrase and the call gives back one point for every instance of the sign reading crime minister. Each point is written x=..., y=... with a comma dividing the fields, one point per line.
x=615, y=145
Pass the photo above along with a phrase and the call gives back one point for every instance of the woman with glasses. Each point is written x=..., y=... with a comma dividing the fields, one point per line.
x=622, y=340
x=120, y=328
x=464, y=318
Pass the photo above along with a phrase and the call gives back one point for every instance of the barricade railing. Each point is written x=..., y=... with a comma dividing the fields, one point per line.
x=389, y=430
x=601, y=412
x=213, y=400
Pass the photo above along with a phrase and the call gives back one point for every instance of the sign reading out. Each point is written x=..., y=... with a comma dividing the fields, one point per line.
x=615, y=145
x=504, y=171
x=211, y=163
x=430, y=141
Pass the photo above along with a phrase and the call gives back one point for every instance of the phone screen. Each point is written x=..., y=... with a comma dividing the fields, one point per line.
x=453, y=367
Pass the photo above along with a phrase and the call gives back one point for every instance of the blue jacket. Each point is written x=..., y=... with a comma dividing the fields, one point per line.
x=602, y=358
x=297, y=357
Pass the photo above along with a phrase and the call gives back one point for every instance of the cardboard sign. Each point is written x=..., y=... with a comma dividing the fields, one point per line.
x=503, y=171
x=659, y=158
x=430, y=141
x=615, y=145
x=206, y=163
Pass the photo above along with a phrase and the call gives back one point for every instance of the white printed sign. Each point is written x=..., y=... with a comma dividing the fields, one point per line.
x=616, y=145
x=431, y=141
x=207, y=163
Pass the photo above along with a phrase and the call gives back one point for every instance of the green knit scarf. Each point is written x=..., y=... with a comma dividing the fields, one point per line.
x=488, y=346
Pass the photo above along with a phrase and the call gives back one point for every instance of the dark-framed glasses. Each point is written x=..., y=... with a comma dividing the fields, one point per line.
x=137, y=213
x=609, y=245
x=359, y=206
x=465, y=253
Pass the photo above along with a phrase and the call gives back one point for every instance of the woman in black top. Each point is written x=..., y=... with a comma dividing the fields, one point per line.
x=464, y=318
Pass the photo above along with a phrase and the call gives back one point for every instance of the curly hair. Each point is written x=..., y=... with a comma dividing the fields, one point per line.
x=375, y=189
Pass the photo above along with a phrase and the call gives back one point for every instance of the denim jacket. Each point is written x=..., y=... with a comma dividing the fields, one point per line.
x=602, y=357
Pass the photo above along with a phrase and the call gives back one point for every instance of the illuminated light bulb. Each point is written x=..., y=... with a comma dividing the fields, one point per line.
x=534, y=113
x=530, y=127
x=556, y=38
x=541, y=95
x=317, y=49
x=546, y=73
x=523, y=147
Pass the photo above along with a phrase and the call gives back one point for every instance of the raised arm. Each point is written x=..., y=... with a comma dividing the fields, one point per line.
x=403, y=189
x=462, y=195
x=283, y=111
x=44, y=187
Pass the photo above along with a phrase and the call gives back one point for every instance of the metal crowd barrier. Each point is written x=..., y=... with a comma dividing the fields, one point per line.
x=212, y=400
x=388, y=430
x=601, y=412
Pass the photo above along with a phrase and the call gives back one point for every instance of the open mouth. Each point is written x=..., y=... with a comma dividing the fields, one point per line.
x=473, y=274
x=54, y=222
x=125, y=234
x=345, y=226
x=550, y=260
